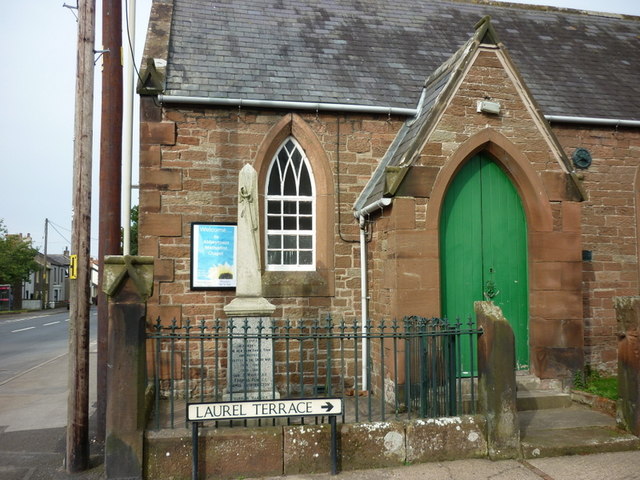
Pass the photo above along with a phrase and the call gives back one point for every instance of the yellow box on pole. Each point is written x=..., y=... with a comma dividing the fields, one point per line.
x=73, y=267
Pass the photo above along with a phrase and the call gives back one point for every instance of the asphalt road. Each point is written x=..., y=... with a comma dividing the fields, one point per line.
x=31, y=339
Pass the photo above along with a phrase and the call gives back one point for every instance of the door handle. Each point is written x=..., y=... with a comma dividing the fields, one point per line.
x=490, y=290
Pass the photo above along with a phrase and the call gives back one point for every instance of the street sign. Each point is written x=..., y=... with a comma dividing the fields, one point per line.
x=198, y=412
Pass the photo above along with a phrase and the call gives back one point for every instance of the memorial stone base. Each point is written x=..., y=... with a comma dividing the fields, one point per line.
x=251, y=360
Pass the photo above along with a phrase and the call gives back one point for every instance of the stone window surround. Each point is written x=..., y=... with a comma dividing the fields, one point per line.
x=296, y=198
x=320, y=282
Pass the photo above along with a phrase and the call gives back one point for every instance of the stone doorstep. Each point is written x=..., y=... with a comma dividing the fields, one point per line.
x=542, y=400
x=528, y=382
x=534, y=393
x=527, y=400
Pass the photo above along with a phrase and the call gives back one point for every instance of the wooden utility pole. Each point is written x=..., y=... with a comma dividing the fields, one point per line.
x=110, y=181
x=77, y=455
x=45, y=272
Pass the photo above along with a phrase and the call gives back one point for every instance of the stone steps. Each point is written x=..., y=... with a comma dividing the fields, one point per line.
x=542, y=400
x=552, y=425
x=536, y=394
x=571, y=431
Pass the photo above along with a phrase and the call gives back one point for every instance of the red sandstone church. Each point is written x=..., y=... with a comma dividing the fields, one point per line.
x=412, y=156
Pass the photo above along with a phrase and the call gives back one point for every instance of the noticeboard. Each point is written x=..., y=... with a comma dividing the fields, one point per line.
x=213, y=256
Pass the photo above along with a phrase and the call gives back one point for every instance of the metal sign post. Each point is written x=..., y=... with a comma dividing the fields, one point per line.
x=251, y=409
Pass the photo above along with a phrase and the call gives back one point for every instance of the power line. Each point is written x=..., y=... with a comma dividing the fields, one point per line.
x=128, y=31
x=60, y=226
x=53, y=225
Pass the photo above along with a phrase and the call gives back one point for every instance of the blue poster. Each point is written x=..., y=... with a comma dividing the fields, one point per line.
x=213, y=255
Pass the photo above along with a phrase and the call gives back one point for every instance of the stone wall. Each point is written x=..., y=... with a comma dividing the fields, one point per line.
x=189, y=166
x=609, y=231
x=304, y=449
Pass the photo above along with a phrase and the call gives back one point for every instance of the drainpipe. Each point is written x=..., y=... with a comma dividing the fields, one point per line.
x=127, y=129
x=360, y=215
x=364, y=302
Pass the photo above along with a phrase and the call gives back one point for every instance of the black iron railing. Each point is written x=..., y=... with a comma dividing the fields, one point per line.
x=410, y=368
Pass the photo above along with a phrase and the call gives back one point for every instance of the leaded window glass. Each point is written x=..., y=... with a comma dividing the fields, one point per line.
x=290, y=210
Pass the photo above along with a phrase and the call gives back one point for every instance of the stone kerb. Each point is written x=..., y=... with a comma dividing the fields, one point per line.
x=497, y=381
x=628, y=318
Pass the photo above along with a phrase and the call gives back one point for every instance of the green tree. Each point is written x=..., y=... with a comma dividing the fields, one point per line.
x=17, y=258
x=133, y=240
x=134, y=230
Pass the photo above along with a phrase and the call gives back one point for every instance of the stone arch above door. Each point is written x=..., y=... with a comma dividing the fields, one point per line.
x=528, y=183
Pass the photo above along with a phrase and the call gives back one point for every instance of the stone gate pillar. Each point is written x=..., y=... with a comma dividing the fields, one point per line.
x=128, y=283
x=497, y=381
x=628, y=317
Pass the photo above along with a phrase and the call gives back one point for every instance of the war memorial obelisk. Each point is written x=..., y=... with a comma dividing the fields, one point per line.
x=251, y=359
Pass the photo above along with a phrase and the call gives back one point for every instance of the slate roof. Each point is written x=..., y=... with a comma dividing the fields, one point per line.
x=377, y=52
x=401, y=152
x=57, y=259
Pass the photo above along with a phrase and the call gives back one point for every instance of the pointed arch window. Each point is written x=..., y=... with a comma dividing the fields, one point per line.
x=290, y=210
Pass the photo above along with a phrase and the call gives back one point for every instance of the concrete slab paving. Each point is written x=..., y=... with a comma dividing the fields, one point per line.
x=33, y=419
x=609, y=466
x=454, y=470
x=36, y=399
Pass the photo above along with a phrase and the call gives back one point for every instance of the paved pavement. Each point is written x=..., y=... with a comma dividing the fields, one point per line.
x=32, y=444
x=605, y=466
x=33, y=418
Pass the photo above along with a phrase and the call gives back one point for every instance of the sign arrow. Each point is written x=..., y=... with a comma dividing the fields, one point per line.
x=327, y=406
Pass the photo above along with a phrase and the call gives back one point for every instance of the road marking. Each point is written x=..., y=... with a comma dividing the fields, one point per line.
x=50, y=323
x=32, y=317
x=22, y=329
x=16, y=320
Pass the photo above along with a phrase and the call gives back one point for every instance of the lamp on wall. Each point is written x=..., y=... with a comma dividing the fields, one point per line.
x=487, y=106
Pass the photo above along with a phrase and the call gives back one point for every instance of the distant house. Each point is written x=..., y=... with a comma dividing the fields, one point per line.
x=418, y=149
x=55, y=286
x=94, y=280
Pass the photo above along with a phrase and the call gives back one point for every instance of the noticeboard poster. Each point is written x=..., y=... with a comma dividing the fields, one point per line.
x=213, y=256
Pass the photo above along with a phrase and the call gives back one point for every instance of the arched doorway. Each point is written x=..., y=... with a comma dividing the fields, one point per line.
x=483, y=249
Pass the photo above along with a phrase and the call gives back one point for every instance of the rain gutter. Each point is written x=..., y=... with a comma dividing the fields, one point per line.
x=333, y=107
x=614, y=122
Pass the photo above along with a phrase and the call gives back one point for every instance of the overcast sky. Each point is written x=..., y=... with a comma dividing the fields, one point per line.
x=37, y=90
x=37, y=101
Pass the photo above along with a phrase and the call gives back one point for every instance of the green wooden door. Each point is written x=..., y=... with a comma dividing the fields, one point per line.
x=483, y=250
